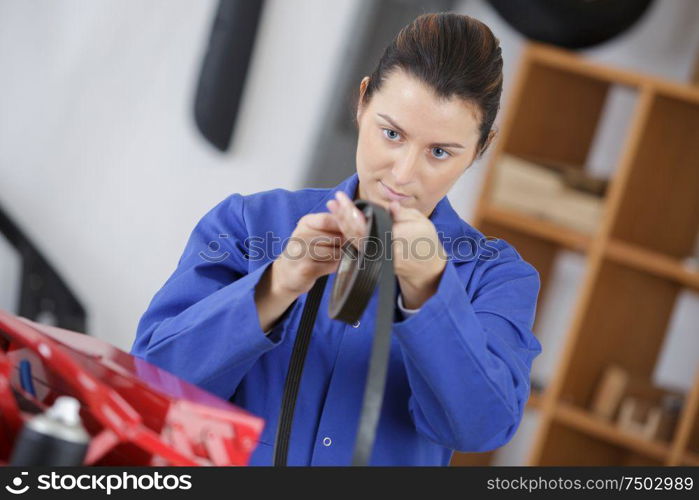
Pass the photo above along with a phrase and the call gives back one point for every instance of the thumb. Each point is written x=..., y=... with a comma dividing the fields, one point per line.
x=399, y=212
x=394, y=208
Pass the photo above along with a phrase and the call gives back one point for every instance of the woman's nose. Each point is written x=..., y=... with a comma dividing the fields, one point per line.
x=405, y=168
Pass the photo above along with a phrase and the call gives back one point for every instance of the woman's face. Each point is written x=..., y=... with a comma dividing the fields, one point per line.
x=412, y=146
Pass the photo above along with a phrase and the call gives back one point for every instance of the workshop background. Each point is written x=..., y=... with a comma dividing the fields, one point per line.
x=110, y=153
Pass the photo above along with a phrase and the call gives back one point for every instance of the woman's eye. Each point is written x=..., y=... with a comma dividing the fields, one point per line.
x=391, y=135
x=440, y=154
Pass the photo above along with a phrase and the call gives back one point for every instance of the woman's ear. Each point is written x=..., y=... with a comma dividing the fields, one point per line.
x=362, y=91
x=479, y=153
x=491, y=136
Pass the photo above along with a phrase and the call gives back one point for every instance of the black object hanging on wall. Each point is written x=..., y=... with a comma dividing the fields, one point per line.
x=225, y=66
x=43, y=294
x=573, y=24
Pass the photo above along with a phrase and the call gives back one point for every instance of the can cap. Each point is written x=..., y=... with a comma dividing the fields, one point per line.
x=65, y=409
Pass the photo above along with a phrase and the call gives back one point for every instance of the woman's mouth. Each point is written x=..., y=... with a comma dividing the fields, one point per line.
x=390, y=194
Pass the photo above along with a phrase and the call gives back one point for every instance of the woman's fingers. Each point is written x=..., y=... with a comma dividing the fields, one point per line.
x=399, y=213
x=323, y=222
x=323, y=253
x=318, y=236
x=350, y=219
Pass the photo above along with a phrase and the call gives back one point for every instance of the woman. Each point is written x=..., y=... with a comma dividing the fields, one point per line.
x=462, y=345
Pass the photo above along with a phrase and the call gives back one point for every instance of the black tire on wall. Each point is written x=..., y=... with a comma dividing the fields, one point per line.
x=573, y=24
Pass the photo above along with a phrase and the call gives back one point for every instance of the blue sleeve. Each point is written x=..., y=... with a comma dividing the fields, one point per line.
x=468, y=353
x=203, y=325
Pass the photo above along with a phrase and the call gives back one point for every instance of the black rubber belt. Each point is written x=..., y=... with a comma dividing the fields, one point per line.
x=358, y=274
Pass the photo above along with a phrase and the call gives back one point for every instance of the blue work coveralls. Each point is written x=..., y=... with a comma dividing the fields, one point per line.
x=458, y=377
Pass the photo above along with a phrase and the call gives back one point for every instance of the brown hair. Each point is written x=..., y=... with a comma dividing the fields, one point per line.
x=456, y=55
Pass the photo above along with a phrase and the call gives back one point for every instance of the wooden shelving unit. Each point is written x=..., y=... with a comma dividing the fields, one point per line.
x=543, y=229
x=634, y=267
x=586, y=423
x=652, y=262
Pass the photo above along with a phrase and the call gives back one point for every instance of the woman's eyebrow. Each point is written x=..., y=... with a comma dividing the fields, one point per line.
x=399, y=129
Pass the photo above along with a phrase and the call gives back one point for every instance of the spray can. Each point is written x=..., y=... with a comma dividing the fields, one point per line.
x=55, y=437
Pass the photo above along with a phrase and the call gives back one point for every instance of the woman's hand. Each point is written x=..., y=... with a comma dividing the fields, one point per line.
x=313, y=250
x=349, y=218
x=418, y=256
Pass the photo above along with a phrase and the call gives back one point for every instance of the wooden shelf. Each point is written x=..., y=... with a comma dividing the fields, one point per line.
x=584, y=421
x=658, y=209
x=563, y=236
x=633, y=272
x=565, y=60
x=691, y=458
x=536, y=400
x=652, y=262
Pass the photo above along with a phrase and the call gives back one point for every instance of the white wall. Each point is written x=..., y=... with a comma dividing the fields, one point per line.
x=99, y=158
